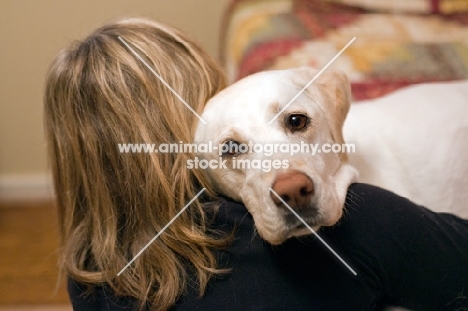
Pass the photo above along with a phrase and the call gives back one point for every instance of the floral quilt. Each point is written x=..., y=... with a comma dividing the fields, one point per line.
x=397, y=43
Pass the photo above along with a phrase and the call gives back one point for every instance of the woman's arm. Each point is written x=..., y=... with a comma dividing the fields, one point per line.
x=416, y=258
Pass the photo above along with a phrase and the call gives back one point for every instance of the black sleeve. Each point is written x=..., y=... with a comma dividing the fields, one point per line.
x=416, y=258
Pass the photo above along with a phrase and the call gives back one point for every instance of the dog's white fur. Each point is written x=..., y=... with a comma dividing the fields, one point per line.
x=413, y=142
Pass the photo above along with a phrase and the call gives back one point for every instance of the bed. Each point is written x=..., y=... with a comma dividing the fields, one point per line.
x=398, y=43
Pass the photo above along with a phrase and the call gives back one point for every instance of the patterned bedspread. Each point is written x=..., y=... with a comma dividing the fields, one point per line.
x=397, y=42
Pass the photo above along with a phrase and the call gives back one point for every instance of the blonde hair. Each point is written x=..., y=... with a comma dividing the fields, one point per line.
x=111, y=204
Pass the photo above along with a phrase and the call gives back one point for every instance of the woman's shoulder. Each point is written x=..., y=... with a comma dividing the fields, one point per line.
x=85, y=298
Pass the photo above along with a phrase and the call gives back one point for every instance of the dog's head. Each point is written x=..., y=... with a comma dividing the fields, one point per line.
x=258, y=135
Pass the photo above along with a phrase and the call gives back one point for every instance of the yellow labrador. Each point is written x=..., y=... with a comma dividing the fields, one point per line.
x=413, y=142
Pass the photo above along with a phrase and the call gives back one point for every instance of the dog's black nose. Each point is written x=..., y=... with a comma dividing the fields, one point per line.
x=295, y=188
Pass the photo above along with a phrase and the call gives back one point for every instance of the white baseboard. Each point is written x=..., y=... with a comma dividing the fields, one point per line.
x=26, y=187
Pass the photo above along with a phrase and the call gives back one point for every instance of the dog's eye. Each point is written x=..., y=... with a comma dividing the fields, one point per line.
x=297, y=122
x=231, y=148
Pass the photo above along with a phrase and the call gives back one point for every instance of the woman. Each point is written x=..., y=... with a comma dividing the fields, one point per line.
x=98, y=94
x=111, y=204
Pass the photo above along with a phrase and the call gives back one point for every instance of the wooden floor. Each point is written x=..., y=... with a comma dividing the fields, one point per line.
x=28, y=258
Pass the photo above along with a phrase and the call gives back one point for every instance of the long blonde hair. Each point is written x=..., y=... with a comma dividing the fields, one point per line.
x=111, y=204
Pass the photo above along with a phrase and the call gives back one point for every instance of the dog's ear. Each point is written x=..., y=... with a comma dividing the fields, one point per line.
x=332, y=93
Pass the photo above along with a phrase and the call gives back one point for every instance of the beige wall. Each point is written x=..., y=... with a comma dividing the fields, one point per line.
x=31, y=33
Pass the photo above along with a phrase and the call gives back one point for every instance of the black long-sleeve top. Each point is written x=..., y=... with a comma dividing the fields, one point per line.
x=403, y=254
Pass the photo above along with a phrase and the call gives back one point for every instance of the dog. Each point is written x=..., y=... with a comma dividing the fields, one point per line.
x=413, y=142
